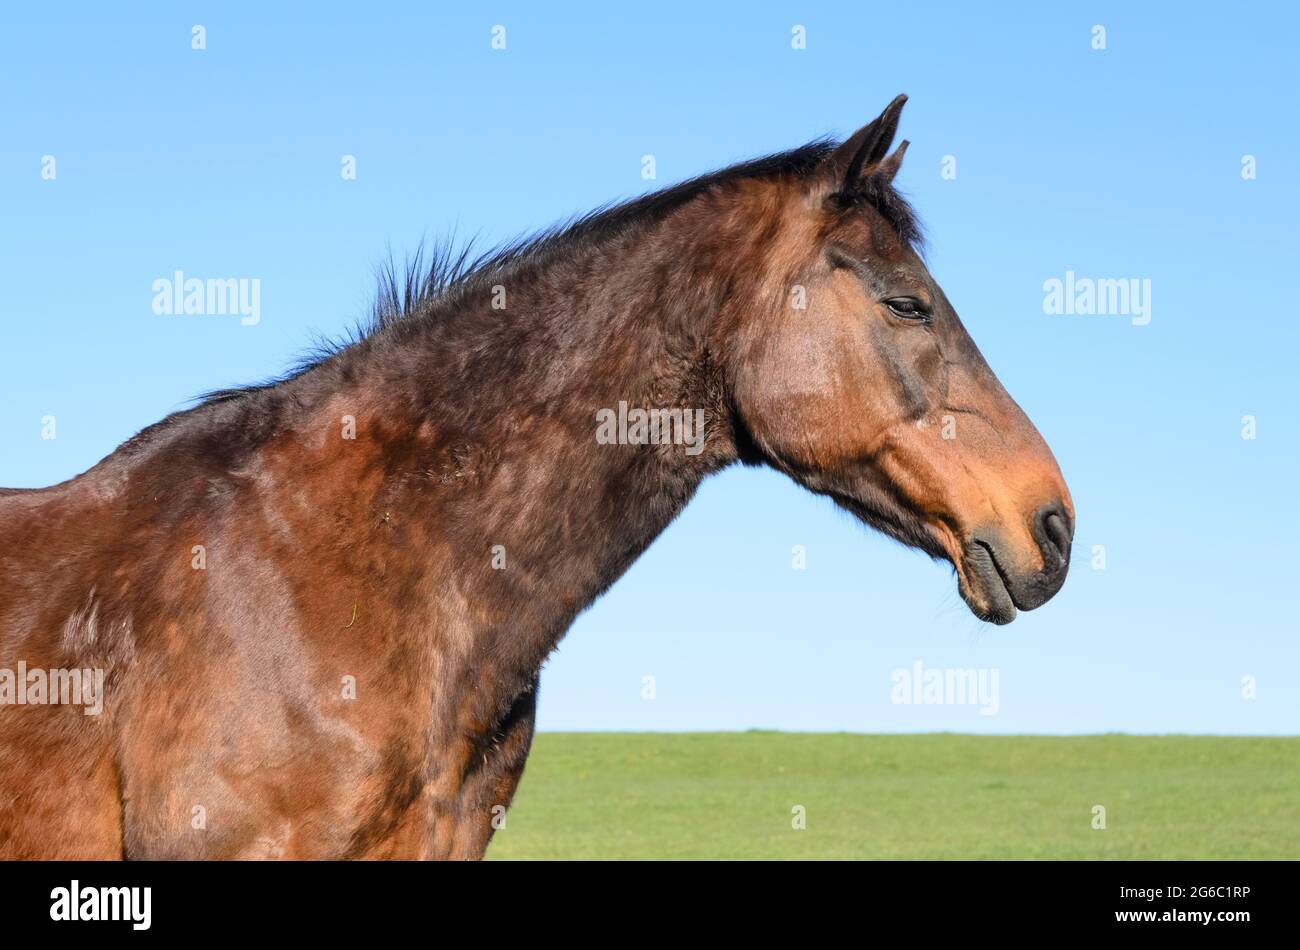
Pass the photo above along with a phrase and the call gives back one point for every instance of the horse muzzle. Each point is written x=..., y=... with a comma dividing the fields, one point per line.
x=997, y=577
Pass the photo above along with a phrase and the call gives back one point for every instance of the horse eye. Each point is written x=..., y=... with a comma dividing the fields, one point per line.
x=909, y=308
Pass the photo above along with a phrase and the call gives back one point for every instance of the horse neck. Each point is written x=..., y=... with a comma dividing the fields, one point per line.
x=534, y=512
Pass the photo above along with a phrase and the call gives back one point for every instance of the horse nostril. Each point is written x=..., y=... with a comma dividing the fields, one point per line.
x=1054, y=533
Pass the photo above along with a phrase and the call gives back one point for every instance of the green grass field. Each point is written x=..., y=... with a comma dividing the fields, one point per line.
x=731, y=795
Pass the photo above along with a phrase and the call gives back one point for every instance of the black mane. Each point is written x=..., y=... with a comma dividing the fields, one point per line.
x=436, y=277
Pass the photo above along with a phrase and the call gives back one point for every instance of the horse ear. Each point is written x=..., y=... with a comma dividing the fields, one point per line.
x=889, y=167
x=868, y=145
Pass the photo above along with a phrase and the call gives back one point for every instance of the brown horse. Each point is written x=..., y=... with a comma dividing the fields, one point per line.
x=320, y=605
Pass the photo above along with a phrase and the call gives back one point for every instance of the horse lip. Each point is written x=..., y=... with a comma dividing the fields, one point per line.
x=985, y=573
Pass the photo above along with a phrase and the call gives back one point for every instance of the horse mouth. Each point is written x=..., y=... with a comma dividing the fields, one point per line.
x=984, y=587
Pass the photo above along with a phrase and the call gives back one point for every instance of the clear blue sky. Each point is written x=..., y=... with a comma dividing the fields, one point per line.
x=1124, y=162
